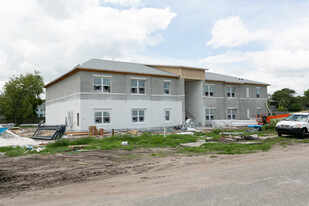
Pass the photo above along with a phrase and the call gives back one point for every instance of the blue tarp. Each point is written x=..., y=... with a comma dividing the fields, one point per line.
x=2, y=129
x=255, y=126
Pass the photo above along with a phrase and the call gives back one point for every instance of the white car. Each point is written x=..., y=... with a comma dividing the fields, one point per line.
x=295, y=124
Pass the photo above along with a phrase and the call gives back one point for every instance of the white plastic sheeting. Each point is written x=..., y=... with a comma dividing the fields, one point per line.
x=8, y=138
x=232, y=123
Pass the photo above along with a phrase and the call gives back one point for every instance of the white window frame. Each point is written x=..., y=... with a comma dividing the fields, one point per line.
x=169, y=89
x=138, y=115
x=209, y=114
x=207, y=89
x=169, y=115
x=102, y=116
x=138, y=87
x=229, y=91
x=102, y=83
x=230, y=113
x=258, y=92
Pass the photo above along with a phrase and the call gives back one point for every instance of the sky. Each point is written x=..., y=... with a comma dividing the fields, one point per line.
x=265, y=40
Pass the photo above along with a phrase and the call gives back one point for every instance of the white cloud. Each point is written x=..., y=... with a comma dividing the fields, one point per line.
x=54, y=37
x=232, y=32
x=283, y=62
x=125, y=2
x=280, y=68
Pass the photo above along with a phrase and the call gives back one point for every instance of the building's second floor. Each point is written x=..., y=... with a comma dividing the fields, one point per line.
x=109, y=79
x=102, y=79
x=223, y=86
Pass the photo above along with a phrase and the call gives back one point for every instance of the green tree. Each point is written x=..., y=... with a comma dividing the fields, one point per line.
x=21, y=96
x=283, y=97
x=295, y=107
x=306, y=98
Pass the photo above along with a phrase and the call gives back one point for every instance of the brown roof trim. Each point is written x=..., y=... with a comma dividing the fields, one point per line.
x=237, y=83
x=75, y=70
x=171, y=66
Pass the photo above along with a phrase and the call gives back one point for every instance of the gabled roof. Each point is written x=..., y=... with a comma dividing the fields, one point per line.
x=98, y=65
x=209, y=76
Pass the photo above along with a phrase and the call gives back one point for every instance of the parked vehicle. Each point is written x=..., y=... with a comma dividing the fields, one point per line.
x=296, y=124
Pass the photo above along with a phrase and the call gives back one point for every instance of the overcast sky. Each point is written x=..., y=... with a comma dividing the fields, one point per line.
x=266, y=41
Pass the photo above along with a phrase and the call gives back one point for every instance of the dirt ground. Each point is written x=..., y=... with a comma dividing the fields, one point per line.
x=130, y=177
x=35, y=172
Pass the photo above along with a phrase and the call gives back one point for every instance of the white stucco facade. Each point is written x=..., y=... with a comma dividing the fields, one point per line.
x=120, y=113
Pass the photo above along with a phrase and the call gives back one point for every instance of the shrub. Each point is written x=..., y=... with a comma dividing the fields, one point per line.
x=270, y=126
x=281, y=109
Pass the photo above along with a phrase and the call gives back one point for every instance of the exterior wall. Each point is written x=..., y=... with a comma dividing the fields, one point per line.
x=194, y=100
x=64, y=88
x=62, y=99
x=121, y=84
x=121, y=102
x=183, y=72
x=81, y=98
x=120, y=113
x=63, y=111
x=221, y=103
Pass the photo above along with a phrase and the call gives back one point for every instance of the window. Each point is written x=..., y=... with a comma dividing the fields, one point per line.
x=258, y=92
x=258, y=111
x=167, y=87
x=167, y=115
x=231, y=114
x=247, y=93
x=248, y=113
x=209, y=90
x=77, y=118
x=138, y=86
x=210, y=114
x=102, y=117
x=102, y=84
x=138, y=115
x=231, y=92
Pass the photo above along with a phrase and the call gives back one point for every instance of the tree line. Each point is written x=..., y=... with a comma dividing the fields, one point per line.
x=286, y=100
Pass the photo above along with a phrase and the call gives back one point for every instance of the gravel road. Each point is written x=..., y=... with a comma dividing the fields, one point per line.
x=277, y=177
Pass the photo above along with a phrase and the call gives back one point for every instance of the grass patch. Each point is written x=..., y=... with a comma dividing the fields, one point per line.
x=149, y=140
x=304, y=141
x=228, y=148
x=160, y=154
x=13, y=151
x=6, y=149
x=213, y=156
x=59, y=143
x=215, y=135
